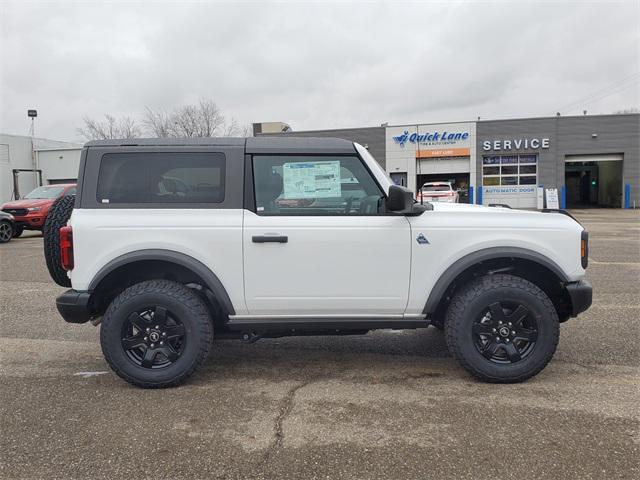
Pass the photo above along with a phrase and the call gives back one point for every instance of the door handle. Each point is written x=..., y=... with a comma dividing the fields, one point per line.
x=269, y=239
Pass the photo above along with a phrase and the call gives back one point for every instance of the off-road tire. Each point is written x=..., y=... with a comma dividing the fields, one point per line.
x=470, y=302
x=58, y=216
x=184, y=303
x=17, y=230
x=438, y=324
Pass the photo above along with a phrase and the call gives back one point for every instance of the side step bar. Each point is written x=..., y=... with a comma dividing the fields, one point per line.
x=337, y=323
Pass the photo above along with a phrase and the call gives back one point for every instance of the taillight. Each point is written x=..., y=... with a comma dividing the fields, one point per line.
x=66, y=248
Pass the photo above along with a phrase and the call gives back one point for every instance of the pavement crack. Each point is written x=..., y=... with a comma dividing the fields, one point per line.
x=285, y=410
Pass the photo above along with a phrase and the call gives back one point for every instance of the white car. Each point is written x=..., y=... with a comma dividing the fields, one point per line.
x=170, y=244
x=438, y=192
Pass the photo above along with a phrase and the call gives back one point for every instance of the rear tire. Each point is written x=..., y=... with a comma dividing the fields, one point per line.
x=502, y=329
x=17, y=230
x=58, y=216
x=155, y=334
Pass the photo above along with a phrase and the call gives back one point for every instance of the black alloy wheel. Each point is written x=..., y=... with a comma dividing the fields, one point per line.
x=502, y=328
x=156, y=333
x=505, y=333
x=153, y=337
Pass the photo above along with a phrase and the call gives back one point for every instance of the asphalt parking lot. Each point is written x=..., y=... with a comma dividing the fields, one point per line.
x=385, y=405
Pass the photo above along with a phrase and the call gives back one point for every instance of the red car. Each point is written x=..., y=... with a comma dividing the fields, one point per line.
x=31, y=211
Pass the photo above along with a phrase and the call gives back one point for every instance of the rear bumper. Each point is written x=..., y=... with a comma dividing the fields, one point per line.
x=581, y=294
x=74, y=306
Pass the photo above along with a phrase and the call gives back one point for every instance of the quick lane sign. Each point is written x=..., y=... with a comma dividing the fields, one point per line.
x=431, y=138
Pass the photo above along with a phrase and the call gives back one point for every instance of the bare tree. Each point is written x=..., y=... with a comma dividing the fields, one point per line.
x=210, y=118
x=246, y=130
x=629, y=110
x=158, y=124
x=110, y=127
x=231, y=128
x=203, y=119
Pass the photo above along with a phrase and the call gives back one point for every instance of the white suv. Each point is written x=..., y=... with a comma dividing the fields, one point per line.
x=438, y=192
x=172, y=243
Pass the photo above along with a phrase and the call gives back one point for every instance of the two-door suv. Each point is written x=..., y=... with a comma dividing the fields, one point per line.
x=169, y=244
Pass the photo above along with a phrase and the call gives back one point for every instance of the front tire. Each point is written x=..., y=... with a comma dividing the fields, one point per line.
x=156, y=333
x=502, y=328
x=6, y=231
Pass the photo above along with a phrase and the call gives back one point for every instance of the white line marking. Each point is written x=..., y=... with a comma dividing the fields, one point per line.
x=613, y=263
x=88, y=374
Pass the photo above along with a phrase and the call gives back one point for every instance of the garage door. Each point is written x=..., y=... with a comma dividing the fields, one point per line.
x=443, y=165
x=594, y=180
x=607, y=157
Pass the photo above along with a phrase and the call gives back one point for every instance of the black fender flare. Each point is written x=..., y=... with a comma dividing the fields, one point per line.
x=211, y=280
x=468, y=261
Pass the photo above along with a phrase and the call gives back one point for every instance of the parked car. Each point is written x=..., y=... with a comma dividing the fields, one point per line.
x=164, y=271
x=7, y=224
x=31, y=211
x=438, y=192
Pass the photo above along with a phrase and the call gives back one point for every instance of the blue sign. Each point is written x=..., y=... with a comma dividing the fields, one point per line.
x=441, y=138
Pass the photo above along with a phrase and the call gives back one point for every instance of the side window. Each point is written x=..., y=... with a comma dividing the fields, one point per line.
x=71, y=191
x=161, y=178
x=314, y=185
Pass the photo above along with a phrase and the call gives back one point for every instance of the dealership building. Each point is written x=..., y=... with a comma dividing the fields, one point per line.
x=591, y=160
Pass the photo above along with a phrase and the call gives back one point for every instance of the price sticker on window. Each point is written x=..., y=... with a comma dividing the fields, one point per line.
x=312, y=179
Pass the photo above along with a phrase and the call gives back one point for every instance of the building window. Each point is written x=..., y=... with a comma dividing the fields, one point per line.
x=509, y=170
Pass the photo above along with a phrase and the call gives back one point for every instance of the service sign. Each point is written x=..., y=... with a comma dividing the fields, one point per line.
x=516, y=144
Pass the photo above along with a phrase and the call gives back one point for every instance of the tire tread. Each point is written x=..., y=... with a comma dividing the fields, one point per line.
x=453, y=322
x=58, y=216
x=179, y=293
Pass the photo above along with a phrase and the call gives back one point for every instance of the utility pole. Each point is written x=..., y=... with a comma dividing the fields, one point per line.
x=32, y=114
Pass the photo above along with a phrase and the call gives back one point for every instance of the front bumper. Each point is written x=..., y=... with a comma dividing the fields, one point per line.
x=74, y=306
x=31, y=222
x=581, y=294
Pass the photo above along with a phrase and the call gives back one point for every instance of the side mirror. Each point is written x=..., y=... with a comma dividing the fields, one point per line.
x=400, y=199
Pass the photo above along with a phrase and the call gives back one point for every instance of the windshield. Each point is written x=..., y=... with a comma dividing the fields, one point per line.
x=45, y=192
x=436, y=188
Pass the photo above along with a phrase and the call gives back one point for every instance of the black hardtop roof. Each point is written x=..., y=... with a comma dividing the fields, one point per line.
x=283, y=144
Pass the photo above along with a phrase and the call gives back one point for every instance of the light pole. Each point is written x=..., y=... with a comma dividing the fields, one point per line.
x=32, y=114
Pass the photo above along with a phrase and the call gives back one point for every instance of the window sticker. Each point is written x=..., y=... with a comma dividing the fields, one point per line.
x=311, y=179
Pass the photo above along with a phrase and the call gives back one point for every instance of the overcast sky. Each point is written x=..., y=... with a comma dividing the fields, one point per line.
x=319, y=65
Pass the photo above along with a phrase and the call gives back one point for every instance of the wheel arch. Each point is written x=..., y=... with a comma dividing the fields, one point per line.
x=141, y=265
x=525, y=263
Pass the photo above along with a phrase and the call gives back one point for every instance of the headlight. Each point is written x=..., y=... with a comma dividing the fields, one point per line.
x=33, y=209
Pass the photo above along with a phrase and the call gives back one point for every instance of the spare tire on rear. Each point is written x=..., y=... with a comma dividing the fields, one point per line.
x=59, y=215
